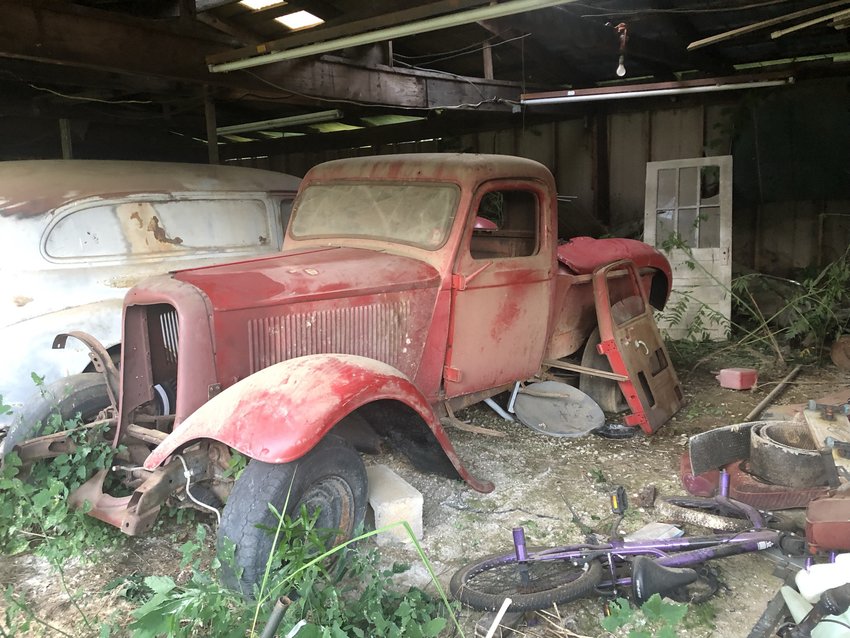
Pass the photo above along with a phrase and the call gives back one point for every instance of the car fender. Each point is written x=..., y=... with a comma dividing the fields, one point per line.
x=279, y=413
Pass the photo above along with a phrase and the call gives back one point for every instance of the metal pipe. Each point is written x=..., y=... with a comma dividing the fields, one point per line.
x=773, y=393
x=594, y=97
x=389, y=33
x=498, y=409
x=282, y=122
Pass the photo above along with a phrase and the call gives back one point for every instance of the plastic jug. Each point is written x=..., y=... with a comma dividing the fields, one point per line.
x=815, y=580
x=799, y=607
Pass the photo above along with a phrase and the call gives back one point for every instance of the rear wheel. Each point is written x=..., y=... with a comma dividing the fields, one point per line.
x=485, y=584
x=83, y=394
x=330, y=479
x=604, y=391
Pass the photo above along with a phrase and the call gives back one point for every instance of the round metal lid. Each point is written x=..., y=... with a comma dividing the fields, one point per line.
x=557, y=409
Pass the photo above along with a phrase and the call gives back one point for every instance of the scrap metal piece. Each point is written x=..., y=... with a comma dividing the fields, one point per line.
x=558, y=409
x=720, y=446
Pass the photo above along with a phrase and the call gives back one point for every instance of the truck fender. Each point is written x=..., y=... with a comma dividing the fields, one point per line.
x=278, y=414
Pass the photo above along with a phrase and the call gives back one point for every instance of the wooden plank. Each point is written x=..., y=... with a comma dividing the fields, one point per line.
x=763, y=24
x=330, y=32
x=101, y=41
x=574, y=367
x=820, y=428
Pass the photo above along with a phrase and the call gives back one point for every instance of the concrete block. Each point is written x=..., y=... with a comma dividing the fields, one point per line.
x=394, y=499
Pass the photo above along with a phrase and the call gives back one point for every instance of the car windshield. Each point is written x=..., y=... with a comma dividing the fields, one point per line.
x=416, y=214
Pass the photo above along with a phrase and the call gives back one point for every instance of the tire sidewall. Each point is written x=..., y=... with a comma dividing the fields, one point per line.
x=85, y=394
x=246, y=512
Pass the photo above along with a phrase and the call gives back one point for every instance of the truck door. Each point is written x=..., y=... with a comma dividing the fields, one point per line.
x=501, y=289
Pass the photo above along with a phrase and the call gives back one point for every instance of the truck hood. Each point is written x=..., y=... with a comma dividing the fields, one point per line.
x=308, y=274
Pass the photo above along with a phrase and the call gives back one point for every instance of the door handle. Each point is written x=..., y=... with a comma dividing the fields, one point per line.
x=460, y=281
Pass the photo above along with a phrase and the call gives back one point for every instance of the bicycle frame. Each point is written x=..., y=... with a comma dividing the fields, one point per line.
x=668, y=552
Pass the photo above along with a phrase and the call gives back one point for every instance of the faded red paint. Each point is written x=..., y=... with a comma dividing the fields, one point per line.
x=274, y=352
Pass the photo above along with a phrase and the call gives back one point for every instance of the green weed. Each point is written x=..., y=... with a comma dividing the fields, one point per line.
x=656, y=617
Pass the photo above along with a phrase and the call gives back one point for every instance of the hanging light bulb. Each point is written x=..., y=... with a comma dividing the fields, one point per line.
x=623, y=33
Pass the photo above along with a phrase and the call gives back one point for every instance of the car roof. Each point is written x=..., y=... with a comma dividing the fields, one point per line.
x=36, y=187
x=461, y=168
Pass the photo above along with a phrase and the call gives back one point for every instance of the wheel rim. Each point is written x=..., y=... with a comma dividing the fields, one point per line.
x=334, y=500
x=505, y=578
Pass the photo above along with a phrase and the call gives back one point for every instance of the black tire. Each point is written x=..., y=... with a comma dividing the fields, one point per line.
x=708, y=513
x=83, y=394
x=604, y=391
x=703, y=512
x=485, y=584
x=331, y=477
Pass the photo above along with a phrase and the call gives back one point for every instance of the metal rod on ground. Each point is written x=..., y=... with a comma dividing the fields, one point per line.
x=773, y=393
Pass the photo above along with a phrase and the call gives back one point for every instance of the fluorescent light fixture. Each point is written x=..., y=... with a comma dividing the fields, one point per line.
x=282, y=122
x=649, y=90
x=299, y=20
x=256, y=5
x=502, y=9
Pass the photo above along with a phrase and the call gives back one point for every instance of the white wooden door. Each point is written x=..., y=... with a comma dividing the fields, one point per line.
x=688, y=215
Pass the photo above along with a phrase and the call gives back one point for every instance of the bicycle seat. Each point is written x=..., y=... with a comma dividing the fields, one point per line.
x=648, y=577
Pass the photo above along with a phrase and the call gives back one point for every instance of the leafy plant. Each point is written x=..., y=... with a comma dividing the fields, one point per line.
x=34, y=505
x=656, y=617
x=350, y=597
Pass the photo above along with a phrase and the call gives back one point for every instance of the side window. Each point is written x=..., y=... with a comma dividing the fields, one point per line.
x=157, y=227
x=285, y=213
x=506, y=225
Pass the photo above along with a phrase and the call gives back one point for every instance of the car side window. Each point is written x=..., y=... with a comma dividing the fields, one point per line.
x=506, y=225
x=156, y=227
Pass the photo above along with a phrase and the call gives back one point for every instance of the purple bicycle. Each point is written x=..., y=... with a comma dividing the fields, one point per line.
x=538, y=578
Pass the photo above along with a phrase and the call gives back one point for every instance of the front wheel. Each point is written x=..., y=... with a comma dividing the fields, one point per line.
x=330, y=478
x=84, y=395
x=485, y=584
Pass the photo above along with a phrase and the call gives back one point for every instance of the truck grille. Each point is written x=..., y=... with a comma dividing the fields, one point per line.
x=168, y=323
x=377, y=331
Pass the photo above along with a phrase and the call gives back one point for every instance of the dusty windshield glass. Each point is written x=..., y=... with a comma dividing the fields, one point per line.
x=416, y=214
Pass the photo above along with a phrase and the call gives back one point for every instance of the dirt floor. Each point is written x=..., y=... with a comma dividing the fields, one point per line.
x=536, y=477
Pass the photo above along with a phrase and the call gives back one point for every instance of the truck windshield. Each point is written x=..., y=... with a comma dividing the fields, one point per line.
x=416, y=214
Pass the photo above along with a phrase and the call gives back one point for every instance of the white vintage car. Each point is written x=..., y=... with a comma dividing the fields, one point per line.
x=75, y=235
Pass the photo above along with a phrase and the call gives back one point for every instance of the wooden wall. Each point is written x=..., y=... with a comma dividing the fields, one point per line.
x=782, y=222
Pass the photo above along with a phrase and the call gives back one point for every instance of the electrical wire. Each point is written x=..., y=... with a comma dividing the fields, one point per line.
x=87, y=99
x=638, y=12
x=469, y=47
x=477, y=49
x=188, y=475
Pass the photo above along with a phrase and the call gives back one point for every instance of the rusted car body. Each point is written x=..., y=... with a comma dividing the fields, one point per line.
x=76, y=235
x=390, y=304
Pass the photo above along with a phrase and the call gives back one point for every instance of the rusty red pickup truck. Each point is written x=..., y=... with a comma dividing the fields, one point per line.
x=408, y=286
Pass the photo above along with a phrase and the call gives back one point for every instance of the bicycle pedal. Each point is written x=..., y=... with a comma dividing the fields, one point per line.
x=510, y=621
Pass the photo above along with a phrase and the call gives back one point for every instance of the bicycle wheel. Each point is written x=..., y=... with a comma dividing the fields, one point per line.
x=485, y=584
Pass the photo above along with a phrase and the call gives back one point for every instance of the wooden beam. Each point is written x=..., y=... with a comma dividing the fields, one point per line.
x=101, y=42
x=225, y=26
x=210, y=121
x=206, y=5
x=554, y=67
x=435, y=127
x=763, y=24
x=330, y=32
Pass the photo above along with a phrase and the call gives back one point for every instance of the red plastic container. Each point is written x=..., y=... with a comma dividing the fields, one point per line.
x=738, y=378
